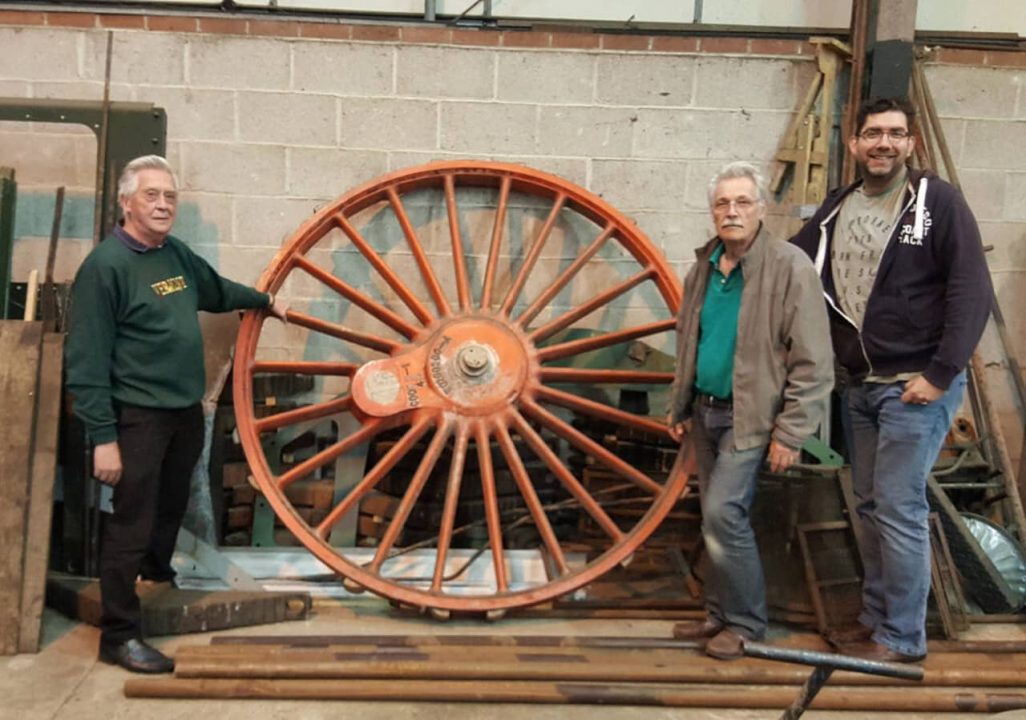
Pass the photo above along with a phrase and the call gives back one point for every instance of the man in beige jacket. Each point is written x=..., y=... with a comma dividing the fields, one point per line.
x=754, y=367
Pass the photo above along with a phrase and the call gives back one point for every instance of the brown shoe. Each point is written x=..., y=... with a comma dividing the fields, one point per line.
x=727, y=645
x=697, y=630
x=847, y=634
x=880, y=653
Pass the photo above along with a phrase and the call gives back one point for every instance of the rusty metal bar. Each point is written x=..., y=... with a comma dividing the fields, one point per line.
x=832, y=698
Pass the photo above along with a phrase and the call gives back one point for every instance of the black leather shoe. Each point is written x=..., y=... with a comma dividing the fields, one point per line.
x=136, y=656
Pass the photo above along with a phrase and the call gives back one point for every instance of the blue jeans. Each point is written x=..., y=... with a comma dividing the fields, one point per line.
x=893, y=446
x=735, y=593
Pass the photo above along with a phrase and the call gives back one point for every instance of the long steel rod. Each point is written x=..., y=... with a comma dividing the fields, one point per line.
x=565, y=693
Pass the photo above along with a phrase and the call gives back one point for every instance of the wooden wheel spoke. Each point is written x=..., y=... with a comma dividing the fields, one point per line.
x=413, y=490
x=458, y=260
x=380, y=469
x=426, y=271
x=590, y=447
x=496, y=244
x=452, y=497
x=565, y=277
x=586, y=308
x=328, y=454
x=372, y=342
x=600, y=411
x=491, y=505
x=386, y=273
x=571, y=483
x=304, y=414
x=306, y=368
x=532, y=256
x=534, y=506
x=369, y=305
x=576, y=347
x=603, y=377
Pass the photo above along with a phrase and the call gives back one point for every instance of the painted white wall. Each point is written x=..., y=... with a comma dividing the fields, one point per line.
x=999, y=16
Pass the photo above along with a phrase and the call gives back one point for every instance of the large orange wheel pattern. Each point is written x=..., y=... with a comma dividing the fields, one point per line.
x=460, y=364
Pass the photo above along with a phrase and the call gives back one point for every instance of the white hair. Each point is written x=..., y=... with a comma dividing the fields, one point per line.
x=739, y=169
x=128, y=183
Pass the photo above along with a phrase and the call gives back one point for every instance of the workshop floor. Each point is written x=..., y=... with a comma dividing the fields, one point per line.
x=66, y=682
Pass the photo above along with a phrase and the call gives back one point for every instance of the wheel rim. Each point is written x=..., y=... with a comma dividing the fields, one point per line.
x=468, y=371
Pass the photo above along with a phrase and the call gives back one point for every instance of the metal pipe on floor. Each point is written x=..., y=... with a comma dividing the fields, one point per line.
x=831, y=698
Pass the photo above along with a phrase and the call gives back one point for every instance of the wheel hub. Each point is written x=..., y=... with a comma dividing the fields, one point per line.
x=473, y=366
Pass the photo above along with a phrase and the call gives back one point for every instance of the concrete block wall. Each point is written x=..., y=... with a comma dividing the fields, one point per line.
x=269, y=120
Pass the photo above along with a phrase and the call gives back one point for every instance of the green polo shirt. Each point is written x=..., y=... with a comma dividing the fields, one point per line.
x=717, y=330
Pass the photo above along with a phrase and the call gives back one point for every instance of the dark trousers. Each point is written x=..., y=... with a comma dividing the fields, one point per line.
x=159, y=449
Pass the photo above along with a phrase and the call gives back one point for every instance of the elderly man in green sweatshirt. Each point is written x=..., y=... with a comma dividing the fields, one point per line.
x=134, y=361
x=754, y=366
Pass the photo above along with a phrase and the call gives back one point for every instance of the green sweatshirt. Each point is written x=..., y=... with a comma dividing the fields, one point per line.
x=134, y=336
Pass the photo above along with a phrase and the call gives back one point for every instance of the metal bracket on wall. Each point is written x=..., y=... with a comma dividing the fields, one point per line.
x=133, y=129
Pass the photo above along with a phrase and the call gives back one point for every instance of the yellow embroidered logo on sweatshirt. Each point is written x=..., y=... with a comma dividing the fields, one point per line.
x=169, y=286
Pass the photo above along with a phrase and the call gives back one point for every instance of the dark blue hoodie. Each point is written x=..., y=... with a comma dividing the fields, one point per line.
x=932, y=294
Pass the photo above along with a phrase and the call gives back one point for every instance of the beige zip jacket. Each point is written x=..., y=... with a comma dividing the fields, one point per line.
x=783, y=361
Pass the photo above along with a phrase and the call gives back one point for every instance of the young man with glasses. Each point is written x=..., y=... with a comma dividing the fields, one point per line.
x=908, y=294
x=751, y=377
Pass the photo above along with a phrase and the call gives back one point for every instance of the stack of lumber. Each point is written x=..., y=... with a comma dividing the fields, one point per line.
x=30, y=394
x=962, y=677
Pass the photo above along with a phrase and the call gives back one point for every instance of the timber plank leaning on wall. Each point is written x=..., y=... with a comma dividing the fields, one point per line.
x=30, y=389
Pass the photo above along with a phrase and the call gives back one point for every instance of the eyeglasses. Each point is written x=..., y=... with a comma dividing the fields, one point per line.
x=742, y=204
x=875, y=134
